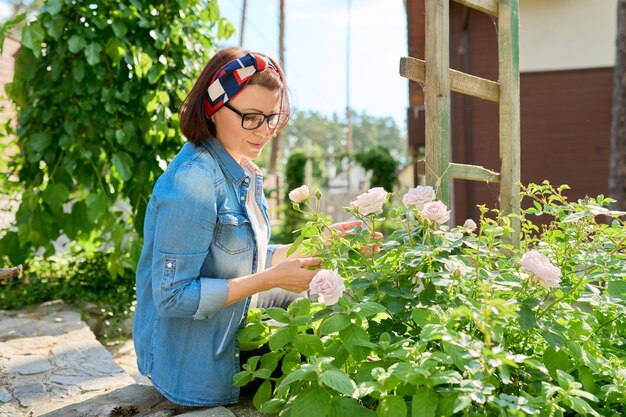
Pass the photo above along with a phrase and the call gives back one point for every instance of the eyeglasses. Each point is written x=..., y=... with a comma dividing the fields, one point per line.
x=251, y=121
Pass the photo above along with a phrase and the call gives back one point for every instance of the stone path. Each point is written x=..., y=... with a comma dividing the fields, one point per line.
x=52, y=365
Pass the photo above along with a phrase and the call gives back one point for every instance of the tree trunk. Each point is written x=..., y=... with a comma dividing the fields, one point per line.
x=617, y=170
x=10, y=272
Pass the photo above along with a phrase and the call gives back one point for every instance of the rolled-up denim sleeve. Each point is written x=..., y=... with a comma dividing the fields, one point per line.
x=185, y=222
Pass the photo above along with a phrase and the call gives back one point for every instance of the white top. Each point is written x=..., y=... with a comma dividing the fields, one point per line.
x=260, y=229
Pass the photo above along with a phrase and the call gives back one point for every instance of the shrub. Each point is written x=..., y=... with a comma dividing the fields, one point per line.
x=446, y=321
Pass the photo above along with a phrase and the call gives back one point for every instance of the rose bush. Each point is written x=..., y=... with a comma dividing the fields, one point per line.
x=449, y=322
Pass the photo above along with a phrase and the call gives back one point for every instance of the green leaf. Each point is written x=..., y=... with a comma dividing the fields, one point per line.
x=424, y=316
x=273, y=406
x=432, y=332
x=527, y=318
x=124, y=165
x=575, y=216
x=119, y=29
x=369, y=309
x=349, y=407
x=55, y=195
x=92, y=53
x=312, y=402
x=351, y=337
x=308, y=344
x=76, y=44
x=580, y=406
x=295, y=245
x=55, y=27
x=278, y=314
x=114, y=49
x=78, y=71
x=96, y=206
x=282, y=336
x=445, y=407
x=39, y=141
x=424, y=403
x=143, y=63
x=334, y=323
x=617, y=289
x=52, y=7
x=445, y=377
x=32, y=37
x=263, y=394
x=391, y=406
x=338, y=381
x=554, y=340
x=300, y=307
x=556, y=360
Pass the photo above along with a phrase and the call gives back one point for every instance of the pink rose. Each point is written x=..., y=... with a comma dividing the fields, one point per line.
x=470, y=225
x=436, y=211
x=328, y=285
x=371, y=201
x=541, y=270
x=419, y=196
x=300, y=194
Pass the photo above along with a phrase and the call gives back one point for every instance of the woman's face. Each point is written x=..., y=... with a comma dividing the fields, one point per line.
x=239, y=142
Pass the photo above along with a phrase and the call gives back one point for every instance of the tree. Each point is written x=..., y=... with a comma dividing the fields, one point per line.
x=617, y=170
x=97, y=86
x=328, y=134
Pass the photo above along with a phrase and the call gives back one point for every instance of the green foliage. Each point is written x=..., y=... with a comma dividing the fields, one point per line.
x=446, y=322
x=77, y=279
x=383, y=166
x=325, y=136
x=294, y=178
x=97, y=85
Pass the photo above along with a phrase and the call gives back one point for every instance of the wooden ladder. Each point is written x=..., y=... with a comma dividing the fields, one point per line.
x=435, y=74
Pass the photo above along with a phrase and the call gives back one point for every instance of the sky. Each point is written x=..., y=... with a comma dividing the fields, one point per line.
x=315, y=51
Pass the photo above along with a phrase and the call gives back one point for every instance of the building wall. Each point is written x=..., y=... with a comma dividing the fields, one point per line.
x=7, y=64
x=565, y=121
x=567, y=34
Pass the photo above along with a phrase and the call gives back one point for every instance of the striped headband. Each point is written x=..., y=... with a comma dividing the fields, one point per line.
x=231, y=78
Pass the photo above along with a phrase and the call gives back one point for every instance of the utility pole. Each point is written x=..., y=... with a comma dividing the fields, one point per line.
x=281, y=57
x=348, y=117
x=243, y=22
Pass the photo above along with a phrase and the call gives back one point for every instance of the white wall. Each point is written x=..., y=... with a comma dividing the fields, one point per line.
x=567, y=34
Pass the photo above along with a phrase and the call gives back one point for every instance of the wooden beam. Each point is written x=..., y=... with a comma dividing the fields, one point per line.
x=460, y=82
x=473, y=173
x=485, y=6
x=437, y=102
x=508, y=50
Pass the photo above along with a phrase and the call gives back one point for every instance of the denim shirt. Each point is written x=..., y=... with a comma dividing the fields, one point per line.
x=197, y=236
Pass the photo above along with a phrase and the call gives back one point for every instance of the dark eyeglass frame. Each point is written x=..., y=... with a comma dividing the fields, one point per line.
x=264, y=118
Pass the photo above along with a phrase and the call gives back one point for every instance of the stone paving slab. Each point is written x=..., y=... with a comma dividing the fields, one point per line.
x=52, y=365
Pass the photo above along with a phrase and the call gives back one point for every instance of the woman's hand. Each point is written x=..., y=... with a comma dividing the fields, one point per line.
x=345, y=228
x=294, y=274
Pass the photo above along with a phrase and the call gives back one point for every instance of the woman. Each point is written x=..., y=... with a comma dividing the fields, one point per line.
x=206, y=234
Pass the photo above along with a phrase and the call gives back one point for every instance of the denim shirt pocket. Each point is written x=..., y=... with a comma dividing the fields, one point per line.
x=233, y=233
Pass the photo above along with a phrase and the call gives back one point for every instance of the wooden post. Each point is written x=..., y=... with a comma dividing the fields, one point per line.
x=508, y=49
x=437, y=96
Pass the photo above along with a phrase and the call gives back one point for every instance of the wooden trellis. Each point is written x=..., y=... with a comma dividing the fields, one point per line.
x=434, y=72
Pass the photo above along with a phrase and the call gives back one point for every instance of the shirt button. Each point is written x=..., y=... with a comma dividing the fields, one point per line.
x=169, y=265
x=236, y=355
x=246, y=180
x=243, y=197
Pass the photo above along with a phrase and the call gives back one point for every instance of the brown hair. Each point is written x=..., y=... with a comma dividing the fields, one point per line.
x=193, y=122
